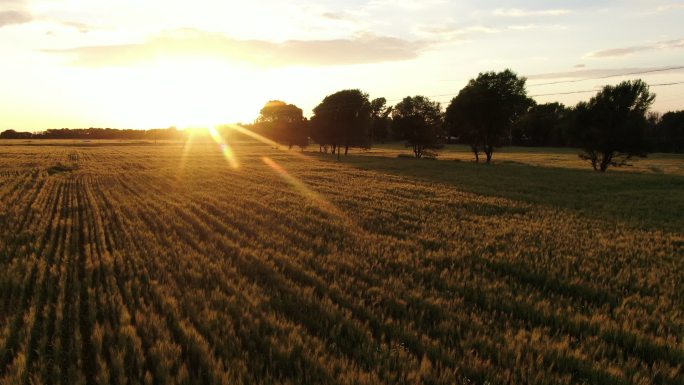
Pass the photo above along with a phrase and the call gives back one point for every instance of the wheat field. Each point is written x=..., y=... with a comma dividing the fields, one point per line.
x=135, y=263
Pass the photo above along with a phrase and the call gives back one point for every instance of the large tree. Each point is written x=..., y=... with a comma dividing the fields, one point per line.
x=380, y=120
x=610, y=126
x=343, y=120
x=483, y=113
x=670, y=132
x=283, y=123
x=542, y=125
x=418, y=121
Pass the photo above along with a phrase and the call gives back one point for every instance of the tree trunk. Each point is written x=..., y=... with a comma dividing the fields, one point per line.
x=489, y=151
x=606, y=160
x=476, y=151
x=346, y=150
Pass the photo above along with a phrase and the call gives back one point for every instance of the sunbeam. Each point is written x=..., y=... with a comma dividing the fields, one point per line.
x=261, y=138
x=186, y=150
x=304, y=190
x=225, y=147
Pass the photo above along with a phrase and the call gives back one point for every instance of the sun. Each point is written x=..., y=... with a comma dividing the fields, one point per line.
x=183, y=92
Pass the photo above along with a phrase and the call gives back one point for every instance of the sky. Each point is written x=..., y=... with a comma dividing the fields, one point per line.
x=154, y=64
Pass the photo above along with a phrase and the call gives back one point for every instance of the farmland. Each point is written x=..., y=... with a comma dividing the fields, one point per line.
x=142, y=263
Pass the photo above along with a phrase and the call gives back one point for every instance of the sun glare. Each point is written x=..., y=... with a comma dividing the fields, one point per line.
x=178, y=91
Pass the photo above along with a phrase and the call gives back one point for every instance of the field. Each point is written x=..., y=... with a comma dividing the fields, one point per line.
x=142, y=263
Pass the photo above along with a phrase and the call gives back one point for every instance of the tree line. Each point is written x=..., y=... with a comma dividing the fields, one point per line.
x=491, y=111
x=93, y=133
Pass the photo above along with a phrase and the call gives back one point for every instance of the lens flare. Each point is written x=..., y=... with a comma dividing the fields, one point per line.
x=298, y=185
x=261, y=138
x=225, y=147
x=190, y=136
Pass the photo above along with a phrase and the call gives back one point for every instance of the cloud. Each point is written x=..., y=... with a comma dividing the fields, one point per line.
x=529, y=27
x=334, y=15
x=81, y=27
x=13, y=12
x=452, y=33
x=517, y=12
x=669, y=7
x=14, y=17
x=615, y=52
x=362, y=48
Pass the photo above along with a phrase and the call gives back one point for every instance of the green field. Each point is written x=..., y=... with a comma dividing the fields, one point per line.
x=144, y=263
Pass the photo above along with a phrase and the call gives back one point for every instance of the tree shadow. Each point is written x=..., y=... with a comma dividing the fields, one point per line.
x=646, y=201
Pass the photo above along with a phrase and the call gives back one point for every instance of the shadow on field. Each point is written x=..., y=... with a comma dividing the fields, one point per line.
x=648, y=201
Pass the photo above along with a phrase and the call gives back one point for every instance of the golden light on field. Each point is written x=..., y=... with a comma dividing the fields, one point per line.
x=225, y=147
x=260, y=138
x=312, y=197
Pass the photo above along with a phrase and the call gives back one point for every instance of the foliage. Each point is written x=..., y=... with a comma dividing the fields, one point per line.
x=283, y=123
x=380, y=117
x=342, y=120
x=669, y=135
x=418, y=121
x=97, y=133
x=610, y=126
x=483, y=113
x=543, y=125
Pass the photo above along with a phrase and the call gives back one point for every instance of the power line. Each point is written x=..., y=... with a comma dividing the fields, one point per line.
x=608, y=76
x=532, y=96
x=594, y=90
x=561, y=93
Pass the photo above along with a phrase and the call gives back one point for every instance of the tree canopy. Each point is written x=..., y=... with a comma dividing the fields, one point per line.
x=669, y=132
x=610, y=126
x=380, y=120
x=342, y=120
x=543, y=125
x=418, y=121
x=283, y=123
x=483, y=113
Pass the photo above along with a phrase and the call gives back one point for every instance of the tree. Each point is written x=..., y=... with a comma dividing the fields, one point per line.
x=12, y=134
x=483, y=113
x=418, y=121
x=283, y=123
x=380, y=120
x=343, y=120
x=671, y=132
x=542, y=125
x=610, y=126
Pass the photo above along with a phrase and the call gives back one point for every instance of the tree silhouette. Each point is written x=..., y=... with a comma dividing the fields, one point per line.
x=483, y=113
x=670, y=131
x=343, y=120
x=418, y=121
x=610, y=127
x=542, y=125
x=283, y=123
x=380, y=124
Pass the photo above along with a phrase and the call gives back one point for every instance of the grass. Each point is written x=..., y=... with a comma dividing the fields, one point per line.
x=672, y=164
x=639, y=199
x=163, y=264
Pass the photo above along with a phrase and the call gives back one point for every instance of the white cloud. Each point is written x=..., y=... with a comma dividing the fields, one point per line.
x=669, y=7
x=517, y=12
x=362, y=48
x=614, y=52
